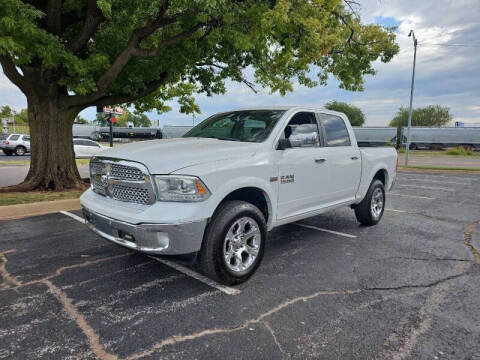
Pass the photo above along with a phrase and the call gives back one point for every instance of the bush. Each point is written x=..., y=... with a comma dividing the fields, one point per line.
x=460, y=151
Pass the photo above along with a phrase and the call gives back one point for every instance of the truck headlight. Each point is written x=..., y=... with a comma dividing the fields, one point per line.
x=181, y=188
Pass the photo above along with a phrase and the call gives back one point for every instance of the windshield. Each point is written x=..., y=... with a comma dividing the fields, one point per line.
x=247, y=126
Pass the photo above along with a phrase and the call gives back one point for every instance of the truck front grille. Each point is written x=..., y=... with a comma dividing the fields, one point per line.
x=122, y=180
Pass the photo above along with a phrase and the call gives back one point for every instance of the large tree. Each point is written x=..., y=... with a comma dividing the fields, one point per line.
x=354, y=113
x=432, y=115
x=72, y=54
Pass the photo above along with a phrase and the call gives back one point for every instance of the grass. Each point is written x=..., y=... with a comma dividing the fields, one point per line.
x=37, y=196
x=460, y=151
x=438, y=167
x=27, y=162
x=435, y=153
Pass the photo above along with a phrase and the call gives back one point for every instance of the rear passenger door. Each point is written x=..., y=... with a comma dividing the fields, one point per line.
x=343, y=163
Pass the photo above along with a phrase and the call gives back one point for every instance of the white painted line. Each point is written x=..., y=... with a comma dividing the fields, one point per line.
x=395, y=210
x=425, y=187
x=73, y=216
x=326, y=230
x=413, y=196
x=226, y=289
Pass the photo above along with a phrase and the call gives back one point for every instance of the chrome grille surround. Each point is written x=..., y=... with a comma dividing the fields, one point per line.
x=122, y=180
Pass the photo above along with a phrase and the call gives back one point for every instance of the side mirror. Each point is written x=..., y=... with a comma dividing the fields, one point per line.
x=284, y=144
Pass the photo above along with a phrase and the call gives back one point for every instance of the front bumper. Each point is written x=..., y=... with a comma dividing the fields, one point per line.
x=167, y=239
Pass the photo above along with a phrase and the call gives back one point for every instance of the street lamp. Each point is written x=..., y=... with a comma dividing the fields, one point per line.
x=411, y=34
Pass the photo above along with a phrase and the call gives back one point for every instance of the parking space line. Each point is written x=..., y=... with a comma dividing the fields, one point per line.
x=395, y=210
x=73, y=216
x=425, y=187
x=413, y=196
x=326, y=230
x=225, y=289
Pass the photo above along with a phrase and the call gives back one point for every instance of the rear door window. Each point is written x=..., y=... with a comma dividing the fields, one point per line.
x=26, y=138
x=14, y=137
x=335, y=130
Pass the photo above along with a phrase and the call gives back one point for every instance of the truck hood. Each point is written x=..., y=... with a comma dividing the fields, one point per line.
x=168, y=155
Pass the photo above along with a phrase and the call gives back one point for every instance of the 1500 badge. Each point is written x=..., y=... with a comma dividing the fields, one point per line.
x=285, y=179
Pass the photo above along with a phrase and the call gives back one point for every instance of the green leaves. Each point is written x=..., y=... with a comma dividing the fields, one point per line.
x=432, y=115
x=354, y=114
x=283, y=42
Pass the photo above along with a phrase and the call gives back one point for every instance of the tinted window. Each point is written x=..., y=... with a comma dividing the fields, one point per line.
x=4, y=136
x=26, y=138
x=248, y=125
x=14, y=137
x=302, y=130
x=335, y=130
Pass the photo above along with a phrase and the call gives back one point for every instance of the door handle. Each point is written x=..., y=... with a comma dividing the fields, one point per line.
x=319, y=161
x=354, y=158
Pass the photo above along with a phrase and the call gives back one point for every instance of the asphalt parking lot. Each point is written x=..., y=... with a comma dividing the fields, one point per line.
x=327, y=288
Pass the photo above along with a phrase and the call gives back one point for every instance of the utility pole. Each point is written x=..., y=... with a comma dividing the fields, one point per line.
x=412, y=34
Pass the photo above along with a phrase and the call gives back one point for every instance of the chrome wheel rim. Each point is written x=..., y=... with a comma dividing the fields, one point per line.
x=20, y=151
x=376, y=205
x=242, y=244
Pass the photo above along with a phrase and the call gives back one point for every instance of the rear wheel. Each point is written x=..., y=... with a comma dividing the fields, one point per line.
x=370, y=210
x=7, y=152
x=234, y=243
x=20, y=151
x=413, y=146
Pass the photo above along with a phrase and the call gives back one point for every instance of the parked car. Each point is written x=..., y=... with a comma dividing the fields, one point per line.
x=85, y=148
x=218, y=190
x=18, y=144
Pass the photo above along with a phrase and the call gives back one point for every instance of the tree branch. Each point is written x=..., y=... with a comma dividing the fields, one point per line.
x=123, y=98
x=171, y=41
x=93, y=18
x=13, y=75
x=54, y=16
x=239, y=74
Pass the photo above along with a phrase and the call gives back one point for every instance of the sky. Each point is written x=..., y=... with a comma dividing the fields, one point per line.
x=447, y=71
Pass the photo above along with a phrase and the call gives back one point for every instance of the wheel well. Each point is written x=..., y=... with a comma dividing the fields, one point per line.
x=252, y=195
x=382, y=176
x=20, y=146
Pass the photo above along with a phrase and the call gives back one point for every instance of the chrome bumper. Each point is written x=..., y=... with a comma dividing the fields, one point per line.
x=168, y=239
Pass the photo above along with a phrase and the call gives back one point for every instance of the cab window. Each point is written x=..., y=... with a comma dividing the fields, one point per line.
x=302, y=130
x=336, y=132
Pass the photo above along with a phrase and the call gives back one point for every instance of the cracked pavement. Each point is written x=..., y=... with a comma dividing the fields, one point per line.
x=407, y=288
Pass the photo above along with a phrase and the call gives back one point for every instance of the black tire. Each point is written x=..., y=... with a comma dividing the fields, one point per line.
x=20, y=150
x=210, y=259
x=7, y=152
x=413, y=146
x=364, y=212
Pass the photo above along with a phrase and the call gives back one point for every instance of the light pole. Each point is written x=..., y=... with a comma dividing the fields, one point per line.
x=412, y=34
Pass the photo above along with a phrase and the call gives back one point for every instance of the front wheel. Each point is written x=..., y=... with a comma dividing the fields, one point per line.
x=20, y=151
x=370, y=210
x=234, y=243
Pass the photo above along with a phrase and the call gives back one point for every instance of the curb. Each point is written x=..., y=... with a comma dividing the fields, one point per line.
x=20, y=211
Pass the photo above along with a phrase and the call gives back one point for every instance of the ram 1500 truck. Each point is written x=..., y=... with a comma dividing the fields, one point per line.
x=220, y=188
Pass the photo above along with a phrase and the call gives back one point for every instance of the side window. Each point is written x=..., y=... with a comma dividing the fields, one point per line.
x=78, y=142
x=26, y=138
x=335, y=130
x=302, y=130
x=14, y=137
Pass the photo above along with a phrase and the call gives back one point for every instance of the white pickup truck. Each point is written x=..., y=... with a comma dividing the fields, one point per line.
x=220, y=188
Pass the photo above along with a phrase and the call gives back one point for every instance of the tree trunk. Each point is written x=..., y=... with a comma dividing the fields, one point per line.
x=52, y=164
